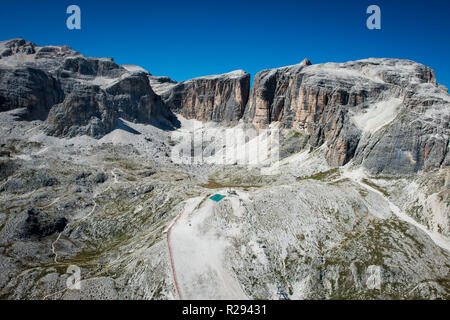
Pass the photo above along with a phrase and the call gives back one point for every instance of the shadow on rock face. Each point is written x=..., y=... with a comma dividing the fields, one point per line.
x=40, y=225
x=170, y=124
x=123, y=126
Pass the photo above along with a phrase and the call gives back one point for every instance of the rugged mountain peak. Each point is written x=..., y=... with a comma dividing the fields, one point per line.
x=361, y=109
x=16, y=46
x=306, y=231
x=306, y=62
x=134, y=68
x=90, y=68
x=220, y=98
x=161, y=84
x=22, y=53
x=75, y=95
x=389, y=115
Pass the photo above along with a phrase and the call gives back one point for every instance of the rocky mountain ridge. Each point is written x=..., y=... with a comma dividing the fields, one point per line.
x=356, y=208
x=323, y=101
x=331, y=103
x=74, y=94
x=219, y=98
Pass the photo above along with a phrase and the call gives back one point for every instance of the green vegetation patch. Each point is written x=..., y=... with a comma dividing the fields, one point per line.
x=375, y=186
x=321, y=176
x=216, y=185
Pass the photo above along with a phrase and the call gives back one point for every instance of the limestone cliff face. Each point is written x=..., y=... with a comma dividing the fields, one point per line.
x=161, y=84
x=94, y=109
x=417, y=139
x=339, y=104
x=74, y=94
x=388, y=115
x=30, y=92
x=83, y=111
x=220, y=98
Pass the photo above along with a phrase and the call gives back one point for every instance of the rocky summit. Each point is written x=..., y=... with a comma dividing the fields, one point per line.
x=74, y=94
x=221, y=98
x=356, y=207
x=390, y=115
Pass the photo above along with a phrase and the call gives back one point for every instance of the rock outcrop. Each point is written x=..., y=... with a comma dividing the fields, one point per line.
x=31, y=92
x=305, y=231
x=220, y=98
x=417, y=139
x=161, y=84
x=74, y=94
x=388, y=114
x=94, y=106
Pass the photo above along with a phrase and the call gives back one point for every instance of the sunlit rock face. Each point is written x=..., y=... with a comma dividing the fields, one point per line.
x=88, y=180
x=219, y=98
x=30, y=92
x=388, y=115
x=406, y=124
x=74, y=94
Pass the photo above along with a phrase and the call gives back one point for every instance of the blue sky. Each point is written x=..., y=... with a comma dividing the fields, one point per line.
x=185, y=39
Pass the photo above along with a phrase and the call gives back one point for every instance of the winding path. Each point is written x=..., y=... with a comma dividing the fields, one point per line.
x=53, y=250
x=172, y=265
x=86, y=216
